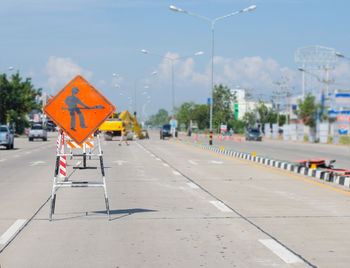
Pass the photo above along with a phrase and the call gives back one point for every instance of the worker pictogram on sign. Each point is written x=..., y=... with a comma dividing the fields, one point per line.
x=79, y=109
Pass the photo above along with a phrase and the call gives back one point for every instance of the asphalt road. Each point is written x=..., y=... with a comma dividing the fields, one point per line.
x=285, y=150
x=172, y=205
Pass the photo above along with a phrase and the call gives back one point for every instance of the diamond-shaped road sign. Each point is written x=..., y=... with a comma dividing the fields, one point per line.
x=79, y=109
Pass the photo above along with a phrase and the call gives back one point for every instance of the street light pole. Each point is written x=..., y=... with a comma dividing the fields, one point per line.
x=212, y=84
x=172, y=60
x=303, y=80
x=135, y=107
x=212, y=21
x=172, y=89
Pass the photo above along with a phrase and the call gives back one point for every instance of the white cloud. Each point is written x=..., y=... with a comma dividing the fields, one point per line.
x=249, y=72
x=62, y=70
x=184, y=70
x=193, y=84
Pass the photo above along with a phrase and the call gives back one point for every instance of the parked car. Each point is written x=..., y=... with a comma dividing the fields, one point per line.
x=253, y=134
x=7, y=137
x=37, y=131
x=165, y=131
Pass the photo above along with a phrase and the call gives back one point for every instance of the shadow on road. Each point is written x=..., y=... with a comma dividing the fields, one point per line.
x=124, y=212
x=120, y=212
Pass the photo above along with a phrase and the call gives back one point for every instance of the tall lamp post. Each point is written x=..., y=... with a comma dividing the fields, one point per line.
x=212, y=22
x=132, y=100
x=135, y=107
x=172, y=60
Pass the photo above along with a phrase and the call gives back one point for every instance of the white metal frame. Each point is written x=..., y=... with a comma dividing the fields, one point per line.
x=65, y=183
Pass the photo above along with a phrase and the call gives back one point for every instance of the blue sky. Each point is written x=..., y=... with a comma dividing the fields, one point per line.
x=52, y=41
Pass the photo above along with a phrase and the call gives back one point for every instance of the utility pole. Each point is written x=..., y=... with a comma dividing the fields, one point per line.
x=278, y=95
x=247, y=97
x=287, y=91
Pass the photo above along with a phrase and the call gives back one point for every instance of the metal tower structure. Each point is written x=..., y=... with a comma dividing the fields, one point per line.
x=315, y=60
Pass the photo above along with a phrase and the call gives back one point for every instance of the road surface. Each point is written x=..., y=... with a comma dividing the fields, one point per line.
x=172, y=205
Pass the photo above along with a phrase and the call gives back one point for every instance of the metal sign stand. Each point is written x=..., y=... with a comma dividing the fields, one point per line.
x=65, y=183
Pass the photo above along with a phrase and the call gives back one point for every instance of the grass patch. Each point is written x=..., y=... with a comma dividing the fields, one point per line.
x=344, y=140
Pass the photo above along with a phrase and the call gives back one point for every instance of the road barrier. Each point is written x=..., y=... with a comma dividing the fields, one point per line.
x=57, y=183
x=63, y=159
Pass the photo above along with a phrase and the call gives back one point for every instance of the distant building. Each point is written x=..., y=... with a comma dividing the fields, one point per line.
x=242, y=104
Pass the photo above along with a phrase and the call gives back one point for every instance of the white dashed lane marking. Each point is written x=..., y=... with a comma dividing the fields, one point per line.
x=280, y=251
x=193, y=162
x=120, y=162
x=37, y=163
x=176, y=173
x=192, y=185
x=166, y=165
x=12, y=230
x=216, y=162
x=220, y=206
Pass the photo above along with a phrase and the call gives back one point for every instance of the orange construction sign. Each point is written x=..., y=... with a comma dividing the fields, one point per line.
x=79, y=109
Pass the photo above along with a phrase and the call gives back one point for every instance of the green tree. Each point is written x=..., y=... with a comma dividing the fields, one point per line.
x=160, y=118
x=308, y=110
x=282, y=120
x=17, y=98
x=184, y=113
x=237, y=125
x=266, y=114
x=249, y=118
x=222, y=102
x=201, y=114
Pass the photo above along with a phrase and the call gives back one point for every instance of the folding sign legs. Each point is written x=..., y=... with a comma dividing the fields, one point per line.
x=104, y=186
x=57, y=184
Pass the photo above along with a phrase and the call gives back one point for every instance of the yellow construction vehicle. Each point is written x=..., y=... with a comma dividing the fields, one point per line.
x=131, y=123
x=114, y=125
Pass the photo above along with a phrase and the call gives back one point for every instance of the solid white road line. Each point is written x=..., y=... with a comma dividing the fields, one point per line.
x=280, y=251
x=176, y=173
x=192, y=185
x=11, y=231
x=192, y=162
x=220, y=206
